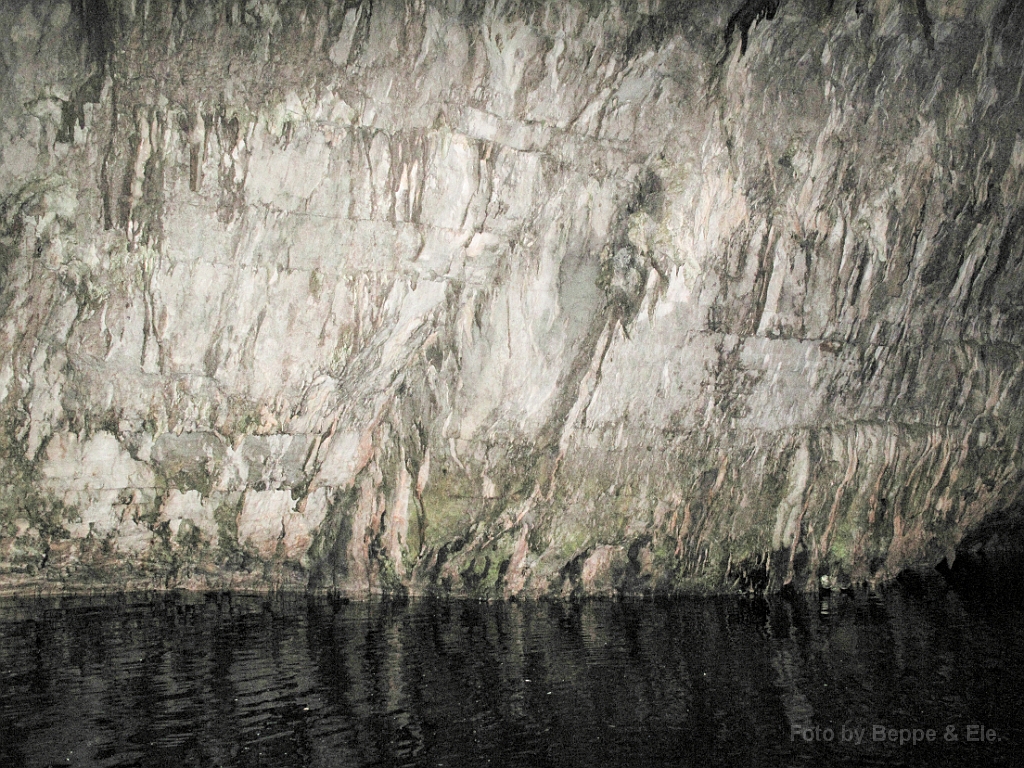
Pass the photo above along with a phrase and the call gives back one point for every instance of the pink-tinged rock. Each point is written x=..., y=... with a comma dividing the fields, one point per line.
x=515, y=578
x=397, y=518
x=301, y=526
x=261, y=522
x=596, y=578
x=344, y=455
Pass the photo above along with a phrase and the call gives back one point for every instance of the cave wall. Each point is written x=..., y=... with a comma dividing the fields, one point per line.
x=528, y=297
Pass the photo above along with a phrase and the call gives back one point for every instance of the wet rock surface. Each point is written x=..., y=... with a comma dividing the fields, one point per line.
x=527, y=298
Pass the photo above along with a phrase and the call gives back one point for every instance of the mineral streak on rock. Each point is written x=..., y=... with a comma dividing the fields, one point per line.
x=497, y=298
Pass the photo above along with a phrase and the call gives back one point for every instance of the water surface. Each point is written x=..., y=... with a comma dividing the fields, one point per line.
x=220, y=680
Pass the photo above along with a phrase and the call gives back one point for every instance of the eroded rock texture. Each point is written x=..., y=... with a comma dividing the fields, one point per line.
x=507, y=298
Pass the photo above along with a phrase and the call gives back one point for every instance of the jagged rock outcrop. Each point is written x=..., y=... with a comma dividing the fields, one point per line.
x=507, y=298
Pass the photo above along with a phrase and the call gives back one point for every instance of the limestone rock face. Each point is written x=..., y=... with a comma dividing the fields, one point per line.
x=486, y=298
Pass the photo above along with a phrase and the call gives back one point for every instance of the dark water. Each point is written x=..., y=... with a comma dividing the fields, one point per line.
x=212, y=680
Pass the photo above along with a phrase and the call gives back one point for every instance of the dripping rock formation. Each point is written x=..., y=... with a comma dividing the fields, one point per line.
x=507, y=298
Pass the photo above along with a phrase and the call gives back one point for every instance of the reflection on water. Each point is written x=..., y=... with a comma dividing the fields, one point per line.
x=216, y=680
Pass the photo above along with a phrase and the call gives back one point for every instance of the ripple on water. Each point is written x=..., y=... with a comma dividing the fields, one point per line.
x=193, y=680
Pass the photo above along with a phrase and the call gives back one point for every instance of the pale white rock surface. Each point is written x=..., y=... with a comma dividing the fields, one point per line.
x=187, y=512
x=261, y=523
